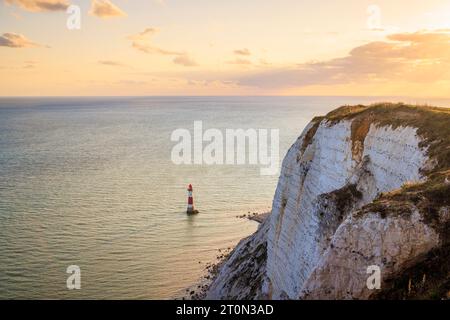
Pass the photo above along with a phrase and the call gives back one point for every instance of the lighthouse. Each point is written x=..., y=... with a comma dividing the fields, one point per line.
x=190, y=206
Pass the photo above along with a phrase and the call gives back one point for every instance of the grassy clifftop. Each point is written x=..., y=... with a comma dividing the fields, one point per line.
x=432, y=123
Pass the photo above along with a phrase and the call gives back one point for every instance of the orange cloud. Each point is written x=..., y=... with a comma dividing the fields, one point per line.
x=242, y=52
x=144, y=34
x=413, y=57
x=147, y=48
x=184, y=60
x=141, y=41
x=14, y=40
x=105, y=9
x=40, y=5
x=112, y=63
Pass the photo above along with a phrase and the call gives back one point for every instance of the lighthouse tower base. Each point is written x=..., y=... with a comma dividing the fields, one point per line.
x=191, y=211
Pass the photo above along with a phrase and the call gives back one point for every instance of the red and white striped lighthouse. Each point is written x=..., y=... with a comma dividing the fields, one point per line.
x=190, y=206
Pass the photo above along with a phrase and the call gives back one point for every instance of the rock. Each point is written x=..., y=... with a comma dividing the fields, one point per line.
x=239, y=268
x=326, y=225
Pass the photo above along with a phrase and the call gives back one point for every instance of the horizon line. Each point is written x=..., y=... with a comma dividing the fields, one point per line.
x=224, y=96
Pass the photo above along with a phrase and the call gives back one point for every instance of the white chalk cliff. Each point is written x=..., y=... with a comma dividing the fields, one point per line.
x=339, y=208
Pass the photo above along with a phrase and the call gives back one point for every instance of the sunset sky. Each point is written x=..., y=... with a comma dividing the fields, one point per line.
x=226, y=47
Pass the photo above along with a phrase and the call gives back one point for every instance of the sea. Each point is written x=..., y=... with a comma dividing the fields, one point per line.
x=91, y=182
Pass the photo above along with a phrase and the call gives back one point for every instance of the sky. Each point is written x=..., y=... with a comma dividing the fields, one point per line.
x=225, y=47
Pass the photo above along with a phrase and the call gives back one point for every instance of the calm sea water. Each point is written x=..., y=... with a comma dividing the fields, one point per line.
x=90, y=182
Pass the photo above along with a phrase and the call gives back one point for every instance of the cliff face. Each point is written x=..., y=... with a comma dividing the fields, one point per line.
x=356, y=189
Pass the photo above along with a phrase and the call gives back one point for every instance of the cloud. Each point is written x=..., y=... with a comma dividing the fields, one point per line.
x=141, y=36
x=417, y=57
x=30, y=64
x=40, y=5
x=242, y=52
x=264, y=62
x=131, y=82
x=14, y=40
x=184, y=60
x=105, y=9
x=142, y=42
x=147, y=48
x=26, y=65
x=112, y=63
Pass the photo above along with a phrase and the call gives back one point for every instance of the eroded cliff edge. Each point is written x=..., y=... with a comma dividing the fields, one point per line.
x=364, y=185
